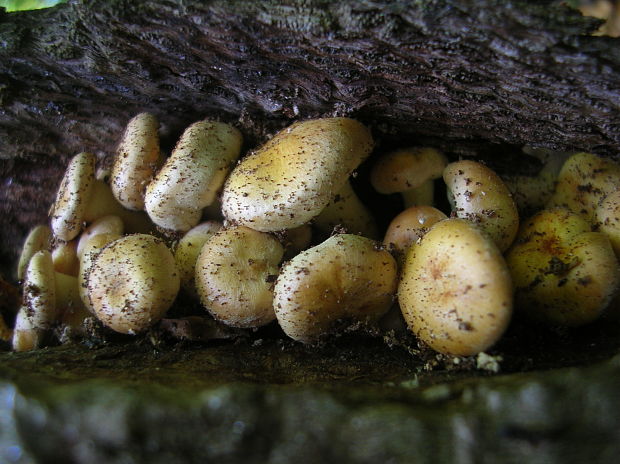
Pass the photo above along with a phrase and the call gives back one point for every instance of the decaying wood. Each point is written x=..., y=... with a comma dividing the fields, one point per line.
x=465, y=75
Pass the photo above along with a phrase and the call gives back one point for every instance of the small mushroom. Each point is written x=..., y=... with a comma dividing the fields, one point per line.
x=104, y=225
x=480, y=196
x=455, y=291
x=348, y=211
x=67, y=212
x=192, y=176
x=584, y=181
x=293, y=177
x=187, y=251
x=65, y=258
x=132, y=282
x=137, y=160
x=607, y=219
x=410, y=172
x=38, y=239
x=347, y=280
x=235, y=272
x=409, y=227
x=564, y=274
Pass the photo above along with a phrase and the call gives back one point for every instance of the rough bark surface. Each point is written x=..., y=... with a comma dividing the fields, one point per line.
x=468, y=76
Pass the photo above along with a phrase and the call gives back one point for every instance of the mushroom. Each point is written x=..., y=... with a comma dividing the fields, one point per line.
x=235, y=272
x=479, y=195
x=187, y=251
x=410, y=172
x=531, y=193
x=104, y=225
x=293, y=177
x=137, y=160
x=607, y=219
x=347, y=280
x=346, y=210
x=564, y=274
x=455, y=291
x=67, y=212
x=38, y=239
x=192, y=176
x=65, y=258
x=409, y=227
x=132, y=282
x=584, y=181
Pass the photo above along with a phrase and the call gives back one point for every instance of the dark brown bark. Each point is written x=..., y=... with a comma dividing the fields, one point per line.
x=469, y=76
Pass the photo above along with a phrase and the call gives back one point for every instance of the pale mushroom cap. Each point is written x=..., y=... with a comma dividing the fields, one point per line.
x=480, y=196
x=406, y=169
x=235, y=272
x=563, y=273
x=67, y=212
x=137, y=160
x=585, y=179
x=607, y=217
x=91, y=248
x=102, y=203
x=187, y=251
x=40, y=290
x=103, y=225
x=348, y=211
x=192, y=176
x=410, y=226
x=38, y=239
x=296, y=174
x=455, y=291
x=132, y=282
x=25, y=336
x=65, y=258
x=345, y=280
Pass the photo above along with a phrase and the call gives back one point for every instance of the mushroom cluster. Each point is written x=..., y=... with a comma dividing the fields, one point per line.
x=291, y=241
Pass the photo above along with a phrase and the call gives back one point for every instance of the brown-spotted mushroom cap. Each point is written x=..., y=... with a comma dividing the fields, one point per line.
x=409, y=227
x=235, y=272
x=296, y=174
x=607, y=219
x=346, y=280
x=137, y=160
x=132, y=282
x=564, y=274
x=38, y=239
x=67, y=212
x=583, y=182
x=187, y=251
x=480, y=196
x=192, y=176
x=455, y=291
x=348, y=211
x=104, y=225
x=409, y=171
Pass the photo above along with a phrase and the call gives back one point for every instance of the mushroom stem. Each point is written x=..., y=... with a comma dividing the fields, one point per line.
x=423, y=195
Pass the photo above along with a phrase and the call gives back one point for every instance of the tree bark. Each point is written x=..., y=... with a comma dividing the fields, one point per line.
x=477, y=77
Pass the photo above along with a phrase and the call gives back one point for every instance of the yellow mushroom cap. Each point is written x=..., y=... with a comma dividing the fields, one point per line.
x=409, y=227
x=192, y=176
x=563, y=273
x=345, y=280
x=38, y=239
x=67, y=212
x=296, y=174
x=584, y=180
x=406, y=169
x=25, y=336
x=187, y=251
x=103, y=225
x=40, y=290
x=137, y=160
x=235, y=272
x=132, y=282
x=65, y=258
x=479, y=195
x=607, y=218
x=455, y=291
